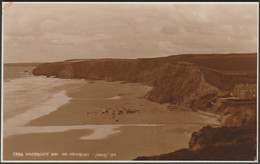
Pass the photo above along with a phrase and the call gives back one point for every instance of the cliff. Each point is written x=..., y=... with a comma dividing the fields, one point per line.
x=224, y=143
x=175, y=79
x=193, y=82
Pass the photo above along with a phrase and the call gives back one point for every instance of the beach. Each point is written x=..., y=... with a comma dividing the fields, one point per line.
x=99, y=120
x=114, y=103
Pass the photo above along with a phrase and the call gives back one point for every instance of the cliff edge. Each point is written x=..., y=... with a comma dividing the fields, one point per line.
x=176, y=79
x=218, y=83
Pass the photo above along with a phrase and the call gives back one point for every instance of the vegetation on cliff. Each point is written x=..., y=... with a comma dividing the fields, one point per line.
x=175, y=78
x=195, y=82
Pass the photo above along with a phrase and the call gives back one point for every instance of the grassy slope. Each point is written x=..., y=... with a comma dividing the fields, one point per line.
x=173, y=77
x=190, y=80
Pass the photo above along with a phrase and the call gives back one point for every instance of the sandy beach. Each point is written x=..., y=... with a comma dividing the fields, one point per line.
x=115, y=103
x=104, y=121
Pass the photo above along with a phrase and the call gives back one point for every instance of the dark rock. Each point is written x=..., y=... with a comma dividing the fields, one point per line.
x=224, y=143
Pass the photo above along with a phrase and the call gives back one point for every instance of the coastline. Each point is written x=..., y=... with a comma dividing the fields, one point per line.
x=53, y=96
x=94, y=104
x=149, y=115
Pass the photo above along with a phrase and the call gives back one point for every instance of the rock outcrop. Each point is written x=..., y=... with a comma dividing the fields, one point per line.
x=176, y=79
x=224, y=143
x=194, y=82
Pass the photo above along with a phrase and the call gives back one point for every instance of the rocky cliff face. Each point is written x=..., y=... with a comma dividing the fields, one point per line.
x=193, y=82
x=189, y=81
x=234, y=141
x=224, y=143
x=175, y=78
x=173, y=82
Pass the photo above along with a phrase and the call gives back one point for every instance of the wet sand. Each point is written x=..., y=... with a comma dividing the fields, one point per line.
x=122, y=106
x=96, y=104
x=126, y=145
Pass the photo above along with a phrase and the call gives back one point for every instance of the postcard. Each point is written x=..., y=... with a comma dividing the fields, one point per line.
x=129, y=81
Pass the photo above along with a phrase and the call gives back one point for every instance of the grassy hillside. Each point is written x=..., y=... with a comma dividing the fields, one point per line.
x=174, y=78
x=193, y=82
x=22, y=64
x=196, y=82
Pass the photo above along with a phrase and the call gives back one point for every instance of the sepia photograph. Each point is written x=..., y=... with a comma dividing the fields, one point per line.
x=129, y=81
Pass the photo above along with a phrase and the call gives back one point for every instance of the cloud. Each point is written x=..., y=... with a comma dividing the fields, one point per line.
x=64, y=31
x=170, y=30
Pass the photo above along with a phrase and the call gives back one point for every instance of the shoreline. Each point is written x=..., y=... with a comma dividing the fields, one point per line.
x=95, y=104
x=19, y=121
x=148, y=113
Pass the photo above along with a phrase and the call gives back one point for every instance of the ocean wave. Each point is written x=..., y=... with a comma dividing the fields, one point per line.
x=24, y=93
x=40, y=110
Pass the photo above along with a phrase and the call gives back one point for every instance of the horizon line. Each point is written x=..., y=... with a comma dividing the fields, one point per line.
x=225, y=53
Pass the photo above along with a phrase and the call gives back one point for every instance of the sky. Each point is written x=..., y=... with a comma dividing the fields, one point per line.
x=43, y=32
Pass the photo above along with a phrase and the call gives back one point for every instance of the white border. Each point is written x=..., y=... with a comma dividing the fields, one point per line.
x=2, y=77
x=257, y=104
x=118, y=161
x=136, y=2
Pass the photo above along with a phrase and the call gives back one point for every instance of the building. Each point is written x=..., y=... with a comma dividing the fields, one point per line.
x=245, y=91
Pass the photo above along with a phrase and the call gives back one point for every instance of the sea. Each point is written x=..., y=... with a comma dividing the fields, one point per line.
x=27, y=97
x=23, y=91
